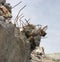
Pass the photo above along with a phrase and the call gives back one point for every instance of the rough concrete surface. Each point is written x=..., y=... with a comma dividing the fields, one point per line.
x=12, y=49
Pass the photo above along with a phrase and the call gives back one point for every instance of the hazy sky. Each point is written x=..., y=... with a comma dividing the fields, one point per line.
x=45, y=12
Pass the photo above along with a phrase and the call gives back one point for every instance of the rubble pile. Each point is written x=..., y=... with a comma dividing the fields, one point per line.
x=20, y=44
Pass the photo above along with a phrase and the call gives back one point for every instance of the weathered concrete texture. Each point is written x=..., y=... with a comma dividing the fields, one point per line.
x=12, y=49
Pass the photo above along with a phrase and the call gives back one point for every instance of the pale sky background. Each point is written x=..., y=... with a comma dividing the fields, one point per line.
x=44, y=12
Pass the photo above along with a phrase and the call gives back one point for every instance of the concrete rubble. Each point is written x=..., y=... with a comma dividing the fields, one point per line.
x=20, y=45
